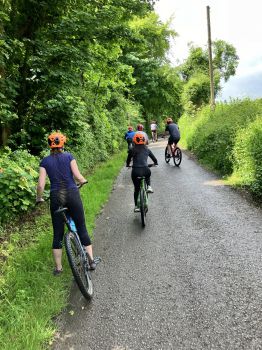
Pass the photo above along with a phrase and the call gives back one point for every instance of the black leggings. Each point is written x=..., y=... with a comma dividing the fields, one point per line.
x=70, y=199
x=138, y=172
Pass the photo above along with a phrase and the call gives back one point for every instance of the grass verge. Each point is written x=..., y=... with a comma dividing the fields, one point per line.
x=30, y=296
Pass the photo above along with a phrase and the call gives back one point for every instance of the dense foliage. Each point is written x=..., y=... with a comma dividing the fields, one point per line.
x=87, y=68
x=228, y=139
x=247, y=155
x=76, y=66
x=195, y=73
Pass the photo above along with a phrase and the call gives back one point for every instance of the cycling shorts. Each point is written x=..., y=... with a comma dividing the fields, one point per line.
x=172, y=140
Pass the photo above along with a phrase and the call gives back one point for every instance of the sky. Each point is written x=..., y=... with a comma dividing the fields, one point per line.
x=238, y=22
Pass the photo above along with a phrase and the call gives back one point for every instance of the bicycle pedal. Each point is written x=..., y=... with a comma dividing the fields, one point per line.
x=97, y=259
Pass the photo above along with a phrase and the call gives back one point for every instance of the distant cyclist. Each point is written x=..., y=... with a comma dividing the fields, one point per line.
x=139, y=155
x=153, y=127
x=174, y=134
x=140, y=129
x=62, y=169
x=129, y=137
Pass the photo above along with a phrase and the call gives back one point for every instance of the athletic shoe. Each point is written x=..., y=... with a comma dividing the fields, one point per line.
x=92, y=265
x=57, y=272
x=137, y=209
x=149, y=189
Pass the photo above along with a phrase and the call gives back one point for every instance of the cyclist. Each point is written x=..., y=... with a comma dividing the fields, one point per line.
x=174, y=134
x=153, y=127
x=139, y=154
x=129, y=137
x=62, y=169
x=140, y=129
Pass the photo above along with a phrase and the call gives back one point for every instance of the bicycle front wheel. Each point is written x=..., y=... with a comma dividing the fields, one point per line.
x=78, y=265
x=167, y=158
x=177, y=156
x=143, y=208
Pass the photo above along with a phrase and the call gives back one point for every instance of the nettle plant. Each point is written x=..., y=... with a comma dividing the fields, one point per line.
x=18, y=177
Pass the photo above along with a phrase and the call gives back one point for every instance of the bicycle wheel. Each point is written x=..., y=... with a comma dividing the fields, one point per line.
x=177, y=156
x=167, y=159
x=78, y=265
x=143, y=208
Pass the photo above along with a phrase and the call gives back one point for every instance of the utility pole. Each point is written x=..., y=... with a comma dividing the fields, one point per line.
x=211, y=75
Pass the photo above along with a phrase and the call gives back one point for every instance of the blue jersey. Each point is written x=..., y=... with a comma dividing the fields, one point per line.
x=57, y=166
x=129, y=135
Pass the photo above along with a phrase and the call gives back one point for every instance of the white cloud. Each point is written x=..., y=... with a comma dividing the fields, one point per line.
x=237, y=22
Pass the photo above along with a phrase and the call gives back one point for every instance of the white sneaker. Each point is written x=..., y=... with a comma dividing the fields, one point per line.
x=150, y=189
x=137, y=209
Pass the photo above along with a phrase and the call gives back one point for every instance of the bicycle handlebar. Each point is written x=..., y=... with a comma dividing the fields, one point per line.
x=149, y=165
x=82, y=184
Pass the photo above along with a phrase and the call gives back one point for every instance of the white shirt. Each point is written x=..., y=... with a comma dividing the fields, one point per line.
x=153, y=126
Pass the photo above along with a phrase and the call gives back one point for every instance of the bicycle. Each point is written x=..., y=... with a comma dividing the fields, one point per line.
x=142, y=200
x=129, y=145
x=78, y=257
x=176, y=155
x=154, y=135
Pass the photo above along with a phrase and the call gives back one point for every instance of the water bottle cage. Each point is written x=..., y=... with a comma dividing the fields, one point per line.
x=71, y=223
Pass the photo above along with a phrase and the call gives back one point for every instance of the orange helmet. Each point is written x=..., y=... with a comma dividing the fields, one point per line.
x=139, y=139
x=56, y=140
x=169, y=120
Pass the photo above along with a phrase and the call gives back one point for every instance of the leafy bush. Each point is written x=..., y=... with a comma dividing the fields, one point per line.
x=18, y=176
x=247, y=154
x=196, y=90
x=211, y=134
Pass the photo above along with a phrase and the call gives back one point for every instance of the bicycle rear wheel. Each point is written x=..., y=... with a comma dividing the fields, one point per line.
x=167, y=158
x=143, y=208
x=78, y=265
x=177, y=156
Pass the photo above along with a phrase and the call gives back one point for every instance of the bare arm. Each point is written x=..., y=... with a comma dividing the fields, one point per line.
x=77, y=175
x=41, y=184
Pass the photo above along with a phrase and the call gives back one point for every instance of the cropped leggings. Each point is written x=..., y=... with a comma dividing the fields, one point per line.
x=70, y=199
x=138, y=172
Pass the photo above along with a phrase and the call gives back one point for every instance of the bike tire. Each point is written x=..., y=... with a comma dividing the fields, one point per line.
x=177, y=158
x=167, y=159
x=78, y=265
x=142, y=207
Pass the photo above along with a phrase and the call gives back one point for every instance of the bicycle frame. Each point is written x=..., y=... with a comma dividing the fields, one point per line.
x=67, y=218
x=142, y=200
x=176, y=154
x=143, y=185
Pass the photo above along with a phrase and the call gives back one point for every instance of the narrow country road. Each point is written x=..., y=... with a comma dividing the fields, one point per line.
x=191, y=279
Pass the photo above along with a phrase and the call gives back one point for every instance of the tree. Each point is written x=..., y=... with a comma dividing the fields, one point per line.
x=225, y=59
x=195, y=72
x=157, y=85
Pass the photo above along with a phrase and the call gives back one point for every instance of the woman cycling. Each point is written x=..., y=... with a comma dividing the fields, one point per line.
x=62, y=169
x=139, y=154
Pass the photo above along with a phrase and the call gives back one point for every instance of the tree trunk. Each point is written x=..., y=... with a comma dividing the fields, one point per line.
x=4, y=135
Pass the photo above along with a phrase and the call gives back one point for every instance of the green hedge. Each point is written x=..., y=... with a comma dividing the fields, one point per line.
x=215, y=138
x=248, y=156
x=211, y=134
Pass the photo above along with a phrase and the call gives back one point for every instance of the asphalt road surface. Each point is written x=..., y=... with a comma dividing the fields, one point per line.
x=191, y=279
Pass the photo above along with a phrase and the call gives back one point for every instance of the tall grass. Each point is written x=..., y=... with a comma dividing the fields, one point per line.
x=30, y=296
